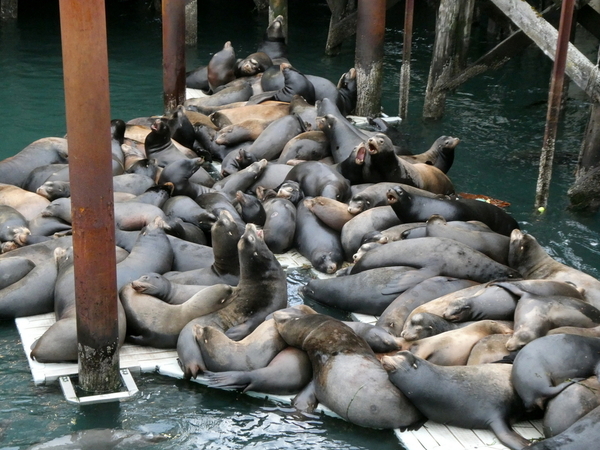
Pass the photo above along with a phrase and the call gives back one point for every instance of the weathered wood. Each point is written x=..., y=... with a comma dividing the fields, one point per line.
x=500, y=54
x=554, y=101
x=261, y=4
x=173, y=34
x=579, y=69
x=8, y=9
x=465, y=20
x=443, y=63
x=191, y=22
x=343, y=23
x=406, y=53
x=370, y=34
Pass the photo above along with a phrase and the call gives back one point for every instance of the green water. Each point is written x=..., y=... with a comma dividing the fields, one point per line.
x=499, y=117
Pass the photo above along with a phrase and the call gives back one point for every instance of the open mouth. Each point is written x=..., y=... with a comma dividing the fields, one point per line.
x=361, y=153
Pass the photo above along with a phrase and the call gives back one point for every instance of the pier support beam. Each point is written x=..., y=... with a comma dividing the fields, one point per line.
x=554, y=102
x=370, y=33
x=451, y=36
x=409, y=10
x=173, y=34
x=8, y=9
x=191, y=22
x=85, y=66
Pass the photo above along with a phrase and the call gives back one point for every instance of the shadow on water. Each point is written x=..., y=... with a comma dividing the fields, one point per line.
x=499, y=117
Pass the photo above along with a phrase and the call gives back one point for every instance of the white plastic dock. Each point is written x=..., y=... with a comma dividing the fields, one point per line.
x=138, y=359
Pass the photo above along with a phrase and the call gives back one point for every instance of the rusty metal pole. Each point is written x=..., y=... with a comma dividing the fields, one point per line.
x=554, y=100
x=173, y=34
x=370, y=34
x=409, y=10
x=279, y=8
x=85, y=66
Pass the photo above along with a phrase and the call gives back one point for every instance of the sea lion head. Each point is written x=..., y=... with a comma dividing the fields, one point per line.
x=401, y=362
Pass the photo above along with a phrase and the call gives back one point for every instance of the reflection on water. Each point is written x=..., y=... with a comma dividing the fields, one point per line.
x=499, y=117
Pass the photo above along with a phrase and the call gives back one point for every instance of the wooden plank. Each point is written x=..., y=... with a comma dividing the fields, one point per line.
x=467, y=437
x=444, y=436
x=409, y=440
x=579, y=69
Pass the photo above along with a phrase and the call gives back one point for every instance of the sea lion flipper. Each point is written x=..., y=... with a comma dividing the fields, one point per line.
x=507, y=436
x=406, y=280
x=306, y=400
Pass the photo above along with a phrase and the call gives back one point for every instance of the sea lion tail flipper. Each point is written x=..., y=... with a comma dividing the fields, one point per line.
x=306, y=400
x=507, y=436
x=234, y=379
x=406, y=280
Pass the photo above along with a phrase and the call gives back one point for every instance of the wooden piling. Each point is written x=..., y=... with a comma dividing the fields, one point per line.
x=8, y=9
x=279, y=8
x=450, y=40
x=85, y=66
x=173, y=34
x=370, y=33
x=409, y=10
x=191, y=22
x=554, y=101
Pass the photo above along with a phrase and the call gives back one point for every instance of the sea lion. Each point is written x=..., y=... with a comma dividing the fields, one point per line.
x=255, y=351
x=28, y=204
x=237, y=133
x=453, y=347
x=489, y=349
x=272, y=140
x=468, y=397
x=582, y=435
x=225, y=234
x=347, y=92
x=528, y=257
x=395, y=315
x=155, y=323
x=385, y=165
x=252, y=209
x=156, y=285
x=426, y=324
x=16, y=169
x=376, y=219
x=379, y=339
x=494, y=245
x=221, y=67
x=332, y=213
x=366, y=397
x=253, y=64
x=591, y=332
x=280, y=224
x=273, y=43
x=233, y=93
x=178, y=173
x=535, y=315
x=307, y=146
x=546, y=366
x=262, y=289
x=287, y=373
x=376, y=195
x=415, y=208
x=271, y=110
x=570, y=405
x=13, y=226
x=294, y=83
x=364, y=293
x=197, y=78
x=440, y=154
x=436, y=256
x=235, y=161
x=54, y=189
x=318, y=179
x=317, y=242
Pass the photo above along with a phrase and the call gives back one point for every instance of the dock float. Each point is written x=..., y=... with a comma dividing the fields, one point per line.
x=138, y=359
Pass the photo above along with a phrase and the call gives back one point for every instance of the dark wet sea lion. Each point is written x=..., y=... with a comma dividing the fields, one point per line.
x=294, y=83
x=425, y=324
x=318, y=179
x=379, y=339
x=227, y=95
x=415, y=208
x=486, y=400
x=280, y=224
x=156, y=285
x=308, y=146
x=376, y=219
x=252, y=64
x=197, y=78
x=547, y=365
x=364, y=293
x=273, y=43
x=582, y=435
x=366, y=397
x=287, y=373
x=252, y=210
x=436, y=256
x=440, y=155
x=317, y=242
x=220, y=69
x=261, y=290
x=376, y=195
x=13, y=225
x=272, y=140
x=54, y=189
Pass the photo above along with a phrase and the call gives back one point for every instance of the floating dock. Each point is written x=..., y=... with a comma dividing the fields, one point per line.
x=137, y=359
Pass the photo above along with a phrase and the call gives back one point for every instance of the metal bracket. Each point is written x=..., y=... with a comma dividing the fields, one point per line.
x=71, y=396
